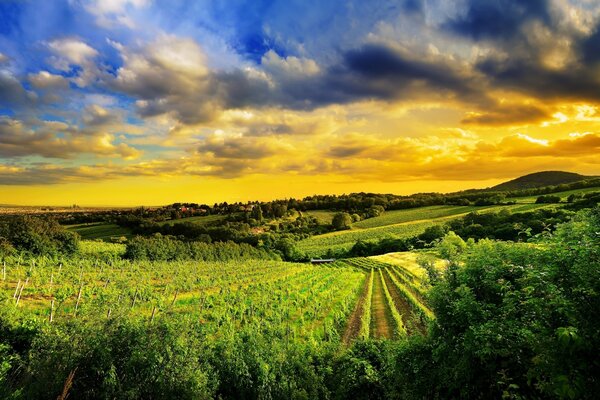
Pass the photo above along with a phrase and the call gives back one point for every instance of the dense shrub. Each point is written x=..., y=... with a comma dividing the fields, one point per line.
x=39, y=236
x=164, y=248
x=548, y=199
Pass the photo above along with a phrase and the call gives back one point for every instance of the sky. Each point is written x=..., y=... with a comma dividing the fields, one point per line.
x=141, y=102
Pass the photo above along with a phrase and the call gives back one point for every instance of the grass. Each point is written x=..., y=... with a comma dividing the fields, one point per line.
x=414, y=214
x=101, y=230
x=201, y=220
x=563, y=195
x=412, y=222
x=323, y=216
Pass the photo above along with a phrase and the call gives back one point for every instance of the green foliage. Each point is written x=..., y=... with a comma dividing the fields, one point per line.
x=162, y=248
x=451, y=246
x=548, y=199
x=341, y=221
x=38, y=236
x=526, y=319
x=512, y=320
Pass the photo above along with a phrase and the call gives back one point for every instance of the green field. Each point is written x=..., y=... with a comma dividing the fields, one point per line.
x=394, y=217
x=323, y=216
x=563, y=195
x=100, y=230
x=300, y=297
x=398, y=224
x=200, y=220
x=318, y=245
x=393, y=303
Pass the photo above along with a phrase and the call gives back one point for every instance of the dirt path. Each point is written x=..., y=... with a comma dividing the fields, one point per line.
x=411, y=323
x=381, y=321
x=353, y=327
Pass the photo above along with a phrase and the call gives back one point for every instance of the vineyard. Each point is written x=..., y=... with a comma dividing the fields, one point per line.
x=282, y=299
x=398, y=224
x=392, y=304
x=359, y=297
x=344, y=240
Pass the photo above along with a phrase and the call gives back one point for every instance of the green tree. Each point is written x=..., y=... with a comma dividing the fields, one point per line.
x=341, y=221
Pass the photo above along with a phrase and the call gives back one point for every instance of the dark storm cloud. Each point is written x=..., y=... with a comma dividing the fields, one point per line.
x=389, y=72
x=590, y=47
x=532, y=77
x=497, y=19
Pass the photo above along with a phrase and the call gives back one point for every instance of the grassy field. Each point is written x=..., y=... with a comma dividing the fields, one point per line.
x=343, y=240
x=323, y=216
x=201, y=220
x=102, y=231
x=394, y=217
x=399, y=224
x=563, y=195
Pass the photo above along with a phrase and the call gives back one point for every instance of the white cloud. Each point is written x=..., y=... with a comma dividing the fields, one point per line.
x=46, y=80
x=110, y=13
x=74, y=52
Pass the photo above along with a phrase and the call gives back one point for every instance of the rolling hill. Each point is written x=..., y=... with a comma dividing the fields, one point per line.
x=541, y=179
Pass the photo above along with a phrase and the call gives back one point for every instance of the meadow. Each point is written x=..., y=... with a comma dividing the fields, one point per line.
x=102, y=231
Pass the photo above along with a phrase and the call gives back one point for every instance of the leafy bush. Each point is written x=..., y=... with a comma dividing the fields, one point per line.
x=39, y=236
x=164, y=248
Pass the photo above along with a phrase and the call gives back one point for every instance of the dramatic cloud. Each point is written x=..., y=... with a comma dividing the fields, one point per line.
x=53, y=139
x=346, y=92
x=497, y=19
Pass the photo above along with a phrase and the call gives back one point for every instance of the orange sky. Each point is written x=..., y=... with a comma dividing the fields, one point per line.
x=111, y=103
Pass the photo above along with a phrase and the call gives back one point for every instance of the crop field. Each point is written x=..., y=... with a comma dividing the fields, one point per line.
x=353, y=298
x=102, y=231
x=283, y=299
x=399, y=224
x=394, y=217
x=392, y=303
x=200, y=220
x=413, y=222
x=563, y=195
x=323, y=216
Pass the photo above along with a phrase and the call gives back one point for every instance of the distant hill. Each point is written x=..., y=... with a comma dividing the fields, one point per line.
x=541, y=179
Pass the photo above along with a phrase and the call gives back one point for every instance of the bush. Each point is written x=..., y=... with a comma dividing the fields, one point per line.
x=341, y=221
x=165, y=248
x=39, y=236
x=549, y=199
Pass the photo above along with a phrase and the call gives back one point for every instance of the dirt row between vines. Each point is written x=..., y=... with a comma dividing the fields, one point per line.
x=382, y=323
x=353, y=327
x=412, y=324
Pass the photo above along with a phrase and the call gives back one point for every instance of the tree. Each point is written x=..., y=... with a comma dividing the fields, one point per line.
x=375, y=211
x=257, y=213
x=547, y=199
x=451, y=246
x=341, y=221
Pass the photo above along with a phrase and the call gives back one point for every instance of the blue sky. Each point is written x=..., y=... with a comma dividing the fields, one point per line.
x=386, y=95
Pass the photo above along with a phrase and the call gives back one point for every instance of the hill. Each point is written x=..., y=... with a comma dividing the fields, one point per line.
x=541, y=179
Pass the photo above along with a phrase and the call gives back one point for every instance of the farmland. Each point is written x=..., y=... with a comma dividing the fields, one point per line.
x=399, y=224
x=393, y=304
x=253, y=327
x=100, y=231
x=307, y=301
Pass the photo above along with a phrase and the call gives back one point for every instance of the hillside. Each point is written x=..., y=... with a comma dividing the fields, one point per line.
x=541, y=179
